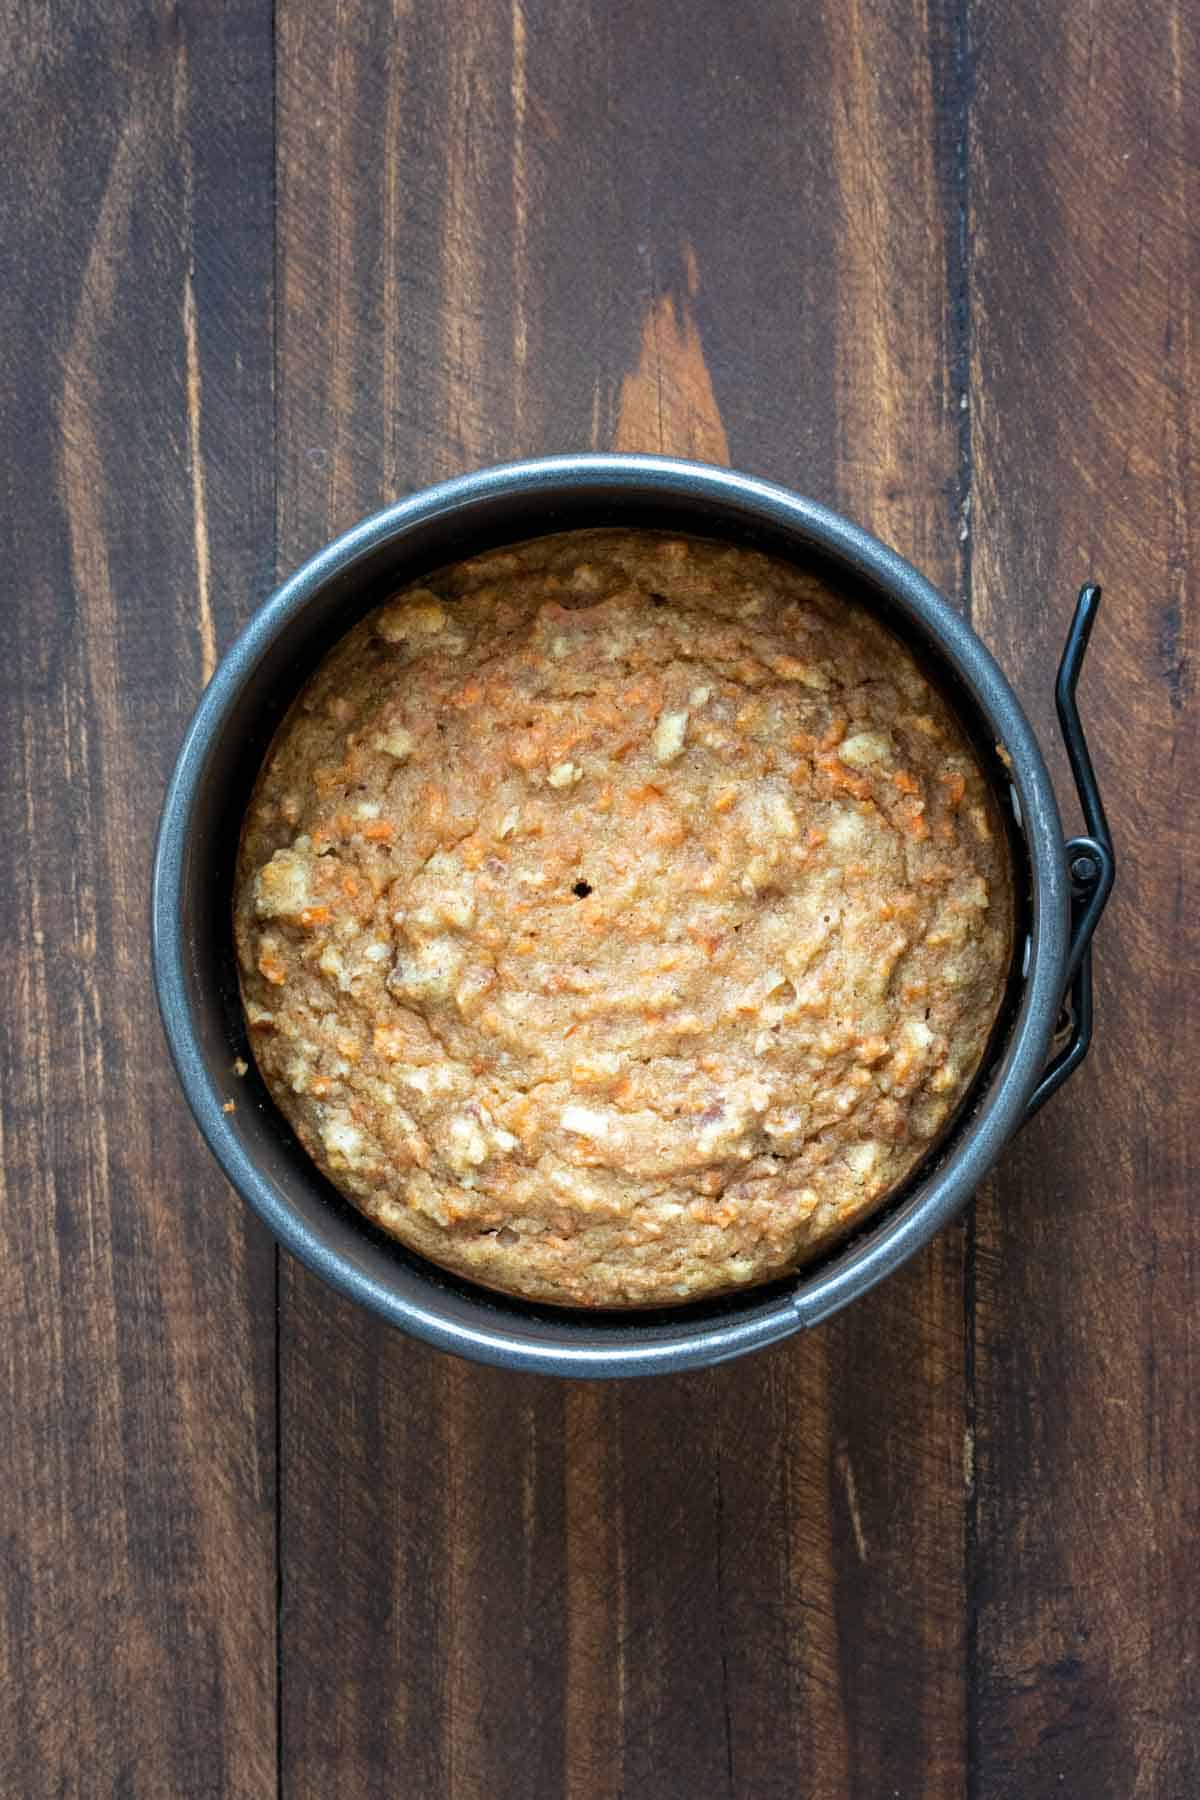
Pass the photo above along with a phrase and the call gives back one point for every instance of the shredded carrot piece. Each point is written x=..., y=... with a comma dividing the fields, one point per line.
x=841, y=777
x=638, y=797
x=379, y=831
x=527, y=748
x=562, y=742
x=708, y=940
x=956, y=787
x=474, y=849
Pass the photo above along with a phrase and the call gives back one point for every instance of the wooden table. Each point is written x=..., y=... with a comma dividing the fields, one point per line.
x=269, y=265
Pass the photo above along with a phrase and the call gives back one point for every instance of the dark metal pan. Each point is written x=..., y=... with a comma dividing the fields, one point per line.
x=1042, y=1038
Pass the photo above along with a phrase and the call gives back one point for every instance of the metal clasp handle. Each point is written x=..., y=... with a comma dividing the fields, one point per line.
x=1090, y=860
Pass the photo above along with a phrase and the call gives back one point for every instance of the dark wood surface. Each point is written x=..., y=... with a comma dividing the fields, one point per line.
x=267, y=266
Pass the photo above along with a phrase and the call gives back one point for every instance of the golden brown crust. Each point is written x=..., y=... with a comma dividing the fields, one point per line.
x=620, y=917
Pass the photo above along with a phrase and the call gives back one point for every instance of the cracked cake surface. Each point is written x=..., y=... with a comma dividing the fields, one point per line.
x=620, y=917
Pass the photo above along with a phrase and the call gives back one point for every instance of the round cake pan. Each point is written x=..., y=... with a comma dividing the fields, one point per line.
x=1045, y=1026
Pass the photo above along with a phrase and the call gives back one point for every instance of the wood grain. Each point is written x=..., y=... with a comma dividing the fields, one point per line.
x=136, y=1357
x=509, y=232
x=935, y=264
x=1085, y=270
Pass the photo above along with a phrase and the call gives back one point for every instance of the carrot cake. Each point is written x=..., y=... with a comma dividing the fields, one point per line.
x=620, y=917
